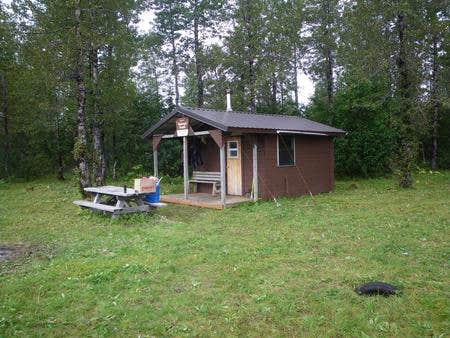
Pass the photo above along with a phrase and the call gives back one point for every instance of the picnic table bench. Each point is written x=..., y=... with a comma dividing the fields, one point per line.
x=119, y=201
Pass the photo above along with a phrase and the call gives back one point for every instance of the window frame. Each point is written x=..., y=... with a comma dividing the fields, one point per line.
x=228, y=149
x=278, y=151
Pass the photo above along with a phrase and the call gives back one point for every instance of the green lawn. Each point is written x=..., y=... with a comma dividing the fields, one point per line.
x=252, y=270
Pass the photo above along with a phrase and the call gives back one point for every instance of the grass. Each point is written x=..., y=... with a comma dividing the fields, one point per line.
x=252, y=270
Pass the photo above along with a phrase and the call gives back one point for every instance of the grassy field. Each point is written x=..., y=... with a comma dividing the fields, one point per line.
x=252, y=270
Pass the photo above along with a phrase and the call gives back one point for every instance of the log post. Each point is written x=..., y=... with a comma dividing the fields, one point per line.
x=255, y=171
x=155, y=144
x=155, y=162
x=223, y=183
x=185, y=167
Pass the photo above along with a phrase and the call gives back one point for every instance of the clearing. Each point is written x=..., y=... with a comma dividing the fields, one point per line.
x=252, y=270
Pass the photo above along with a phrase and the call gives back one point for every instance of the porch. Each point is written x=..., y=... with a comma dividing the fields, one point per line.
x=204, y=200
x=215, y=157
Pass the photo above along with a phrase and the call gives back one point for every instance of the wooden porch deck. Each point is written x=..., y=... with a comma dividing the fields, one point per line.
x=203, y=200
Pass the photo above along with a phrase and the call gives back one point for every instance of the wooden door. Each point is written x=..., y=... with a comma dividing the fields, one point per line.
x=234, y=166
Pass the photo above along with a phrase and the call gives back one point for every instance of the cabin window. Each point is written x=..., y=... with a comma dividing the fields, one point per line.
x=233, y=149
x=286, y=150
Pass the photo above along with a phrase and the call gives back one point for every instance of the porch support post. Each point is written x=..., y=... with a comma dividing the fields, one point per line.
x=255, y=171
x=223, y=183
x=155, y=162
x=185, y=167
x=155, y=144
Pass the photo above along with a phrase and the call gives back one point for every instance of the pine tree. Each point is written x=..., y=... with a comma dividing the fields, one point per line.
x=202, y=19
x=170, y=20
x=245, y=51
x=322, y=17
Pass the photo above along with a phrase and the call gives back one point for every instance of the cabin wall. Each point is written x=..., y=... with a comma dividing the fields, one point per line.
x=314, y=160
x=211, y=162
x=247, y=162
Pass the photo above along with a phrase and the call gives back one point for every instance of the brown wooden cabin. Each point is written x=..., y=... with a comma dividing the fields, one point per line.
x=248, y=156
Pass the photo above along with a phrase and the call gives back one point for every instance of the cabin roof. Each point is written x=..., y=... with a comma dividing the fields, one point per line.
x=226, y=120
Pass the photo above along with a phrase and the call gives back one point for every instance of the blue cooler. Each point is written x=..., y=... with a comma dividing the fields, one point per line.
x=154, y=196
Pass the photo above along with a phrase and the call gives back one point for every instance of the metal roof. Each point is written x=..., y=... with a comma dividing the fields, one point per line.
x=225, y=120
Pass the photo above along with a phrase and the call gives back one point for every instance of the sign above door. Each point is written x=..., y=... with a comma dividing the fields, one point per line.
x=182, y=124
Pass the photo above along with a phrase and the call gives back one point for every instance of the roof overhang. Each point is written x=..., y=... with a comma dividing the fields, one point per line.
x=200, y=123
x=310, y=133
x=182, y=112
x=301, y=132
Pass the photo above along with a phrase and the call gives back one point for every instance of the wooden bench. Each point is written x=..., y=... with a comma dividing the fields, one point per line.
x=114, y=210
x=97, y=206
x=210, y=177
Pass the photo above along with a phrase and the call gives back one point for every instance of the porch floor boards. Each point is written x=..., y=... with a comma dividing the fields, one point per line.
x=203, y=200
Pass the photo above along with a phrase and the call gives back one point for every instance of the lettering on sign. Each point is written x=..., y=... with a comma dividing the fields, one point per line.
x=182, y=126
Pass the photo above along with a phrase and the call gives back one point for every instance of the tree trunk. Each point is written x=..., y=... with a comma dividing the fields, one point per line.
x=329, y=77
x=114, y=155
x=175, y=71
x=80, y=151
x=198, y=64
x=406, y=150
x=5, y=122
x=328, y=54
x=273, y=91
x=434, y=105
x=295, y=77
x=155, y=75
x=99, y=166
x=59, y=152
x=252, y=86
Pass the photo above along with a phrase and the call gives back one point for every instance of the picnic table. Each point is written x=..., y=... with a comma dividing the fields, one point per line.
x=117, y=200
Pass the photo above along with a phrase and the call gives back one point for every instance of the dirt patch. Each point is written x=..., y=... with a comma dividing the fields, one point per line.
x=353, y=186
x=9, y=252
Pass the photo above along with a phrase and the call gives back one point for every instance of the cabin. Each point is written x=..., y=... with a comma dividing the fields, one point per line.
x=231, y=157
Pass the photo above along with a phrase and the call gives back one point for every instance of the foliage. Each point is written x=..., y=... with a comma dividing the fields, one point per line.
x=198, y=49
x=246, y=271
x=443, y=140
x=362, y=110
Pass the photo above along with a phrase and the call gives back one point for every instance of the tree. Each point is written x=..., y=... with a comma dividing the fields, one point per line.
x=387, y=41
x=170, y=20
x=405, y=118
x=361, y=108
x=202, y=19
x=80, y=150
x=245, y=46
x=7, y=65
x=435, y=42
x=322, y=18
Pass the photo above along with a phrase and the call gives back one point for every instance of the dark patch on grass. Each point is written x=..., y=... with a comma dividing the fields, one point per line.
x=353, y=186
x=11, y=252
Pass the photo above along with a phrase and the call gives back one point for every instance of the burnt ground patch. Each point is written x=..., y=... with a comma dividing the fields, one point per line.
x=13, y=251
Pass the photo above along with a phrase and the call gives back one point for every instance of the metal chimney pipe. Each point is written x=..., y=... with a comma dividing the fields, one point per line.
x=229, y=100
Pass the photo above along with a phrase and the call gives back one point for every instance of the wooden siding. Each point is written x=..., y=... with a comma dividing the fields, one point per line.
x=247, y=164
x=314, y=160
